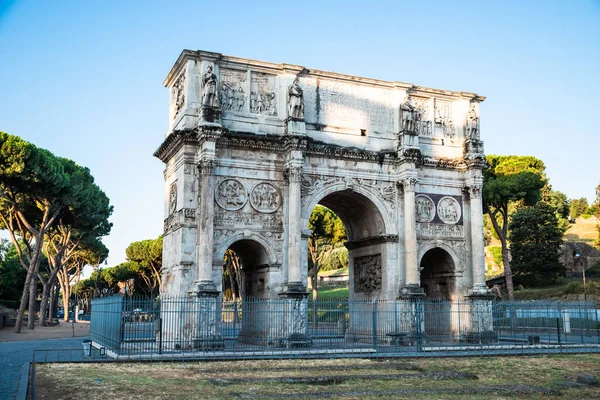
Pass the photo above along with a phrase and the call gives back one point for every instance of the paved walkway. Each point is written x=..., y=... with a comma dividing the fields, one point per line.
x=17, y=349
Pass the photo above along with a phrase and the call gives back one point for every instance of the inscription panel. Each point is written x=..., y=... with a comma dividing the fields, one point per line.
x=351, y=106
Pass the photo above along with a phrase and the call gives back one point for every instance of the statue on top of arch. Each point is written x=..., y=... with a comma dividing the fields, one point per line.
x=408, y=115
x=472, y=123
x=295, y=101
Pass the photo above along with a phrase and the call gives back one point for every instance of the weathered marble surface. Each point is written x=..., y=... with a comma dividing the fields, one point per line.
x=253, y=146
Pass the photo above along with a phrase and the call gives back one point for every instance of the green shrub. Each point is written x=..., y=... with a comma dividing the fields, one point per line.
x=574, y=288
x=586, y=216
x=496, y=252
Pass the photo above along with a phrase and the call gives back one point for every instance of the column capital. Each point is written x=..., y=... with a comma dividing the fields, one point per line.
x=409, y=183
x=474, y=191
x=293, y=173
x=206, y=167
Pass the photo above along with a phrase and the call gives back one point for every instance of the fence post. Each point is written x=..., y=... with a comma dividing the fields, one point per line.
x=160, y=335
x=374, y=324
x=418, y=330
x=558, y=329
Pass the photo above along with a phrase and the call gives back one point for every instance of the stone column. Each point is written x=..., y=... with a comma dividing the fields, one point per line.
x=481, y=299
x=204, y=284
x=411, y=262
x=294, y=231
x=477, y=240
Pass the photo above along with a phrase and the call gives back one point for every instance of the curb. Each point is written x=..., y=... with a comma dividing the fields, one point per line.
x=24, y=383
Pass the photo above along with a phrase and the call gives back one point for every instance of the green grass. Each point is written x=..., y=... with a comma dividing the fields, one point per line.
x=333, y=292
x=563, y=287
x=334, y=272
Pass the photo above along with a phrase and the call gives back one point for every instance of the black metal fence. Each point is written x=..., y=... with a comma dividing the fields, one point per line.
x=210, y=327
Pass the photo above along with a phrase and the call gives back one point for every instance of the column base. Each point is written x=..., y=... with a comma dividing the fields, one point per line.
x=294, y=289
x=204, y=289
x=480, y=293
x=411, y=291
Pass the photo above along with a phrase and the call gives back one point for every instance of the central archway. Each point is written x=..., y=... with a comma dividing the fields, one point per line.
x=368, y=245
x=372, y=262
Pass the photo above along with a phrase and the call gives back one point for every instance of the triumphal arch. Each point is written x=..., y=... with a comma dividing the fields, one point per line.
x=252, y=147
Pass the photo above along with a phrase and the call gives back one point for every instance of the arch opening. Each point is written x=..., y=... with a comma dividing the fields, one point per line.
x=360, y=215
x=438, y=274
x=438, y=281
x=246, y=270
x=361, y=220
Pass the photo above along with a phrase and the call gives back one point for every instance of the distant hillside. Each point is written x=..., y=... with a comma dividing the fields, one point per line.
x=583, y=230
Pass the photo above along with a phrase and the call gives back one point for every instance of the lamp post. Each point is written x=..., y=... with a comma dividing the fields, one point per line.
x=578, y=260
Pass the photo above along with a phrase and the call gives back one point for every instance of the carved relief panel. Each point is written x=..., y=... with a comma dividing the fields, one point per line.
x=231, y=194
x=178, y=95
x=425, y=208
x=444, y=123
x=262, y=94
x=423, y=116
x=238, y=207
x=367, y=273
x=234, y=90
x=265, y=198
x=439, y=216
x=173, y=198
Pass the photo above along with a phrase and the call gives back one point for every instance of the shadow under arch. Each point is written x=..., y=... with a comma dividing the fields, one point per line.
x=438, y=280
x=361, y=211
x=253, y=245
x=372, y=237
x=256, y=257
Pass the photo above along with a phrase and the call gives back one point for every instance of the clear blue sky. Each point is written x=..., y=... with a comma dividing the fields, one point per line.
x=84, y=78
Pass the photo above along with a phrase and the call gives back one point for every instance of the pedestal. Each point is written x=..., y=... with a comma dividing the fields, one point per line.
x=411, y=312
x=481, y=322
x=293, y=307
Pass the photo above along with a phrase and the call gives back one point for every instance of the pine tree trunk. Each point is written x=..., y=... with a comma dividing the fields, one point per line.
x=31, y=277
x=53, y=303
x=507, y=271
x=32, y=299
x=44, y=304
x=24, y=301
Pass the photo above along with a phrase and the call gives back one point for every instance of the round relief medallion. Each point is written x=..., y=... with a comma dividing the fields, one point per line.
x=448, y=210
x=425, y=209
x=265, y=198
x=231, y=194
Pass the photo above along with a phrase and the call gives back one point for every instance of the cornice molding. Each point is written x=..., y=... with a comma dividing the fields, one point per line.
x=174, y=141
x=283, y=68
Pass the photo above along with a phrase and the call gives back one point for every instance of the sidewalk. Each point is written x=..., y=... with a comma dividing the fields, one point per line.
x=63, y=330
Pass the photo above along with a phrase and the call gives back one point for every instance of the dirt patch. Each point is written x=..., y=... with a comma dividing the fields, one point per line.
x=63, y=330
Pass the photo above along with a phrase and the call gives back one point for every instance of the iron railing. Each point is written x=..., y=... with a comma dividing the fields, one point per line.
x=204, y=327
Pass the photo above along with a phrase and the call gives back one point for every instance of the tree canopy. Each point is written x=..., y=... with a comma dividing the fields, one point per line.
x=42, y=195
x=578, y=207
x=510, y=180
x=535, y=243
